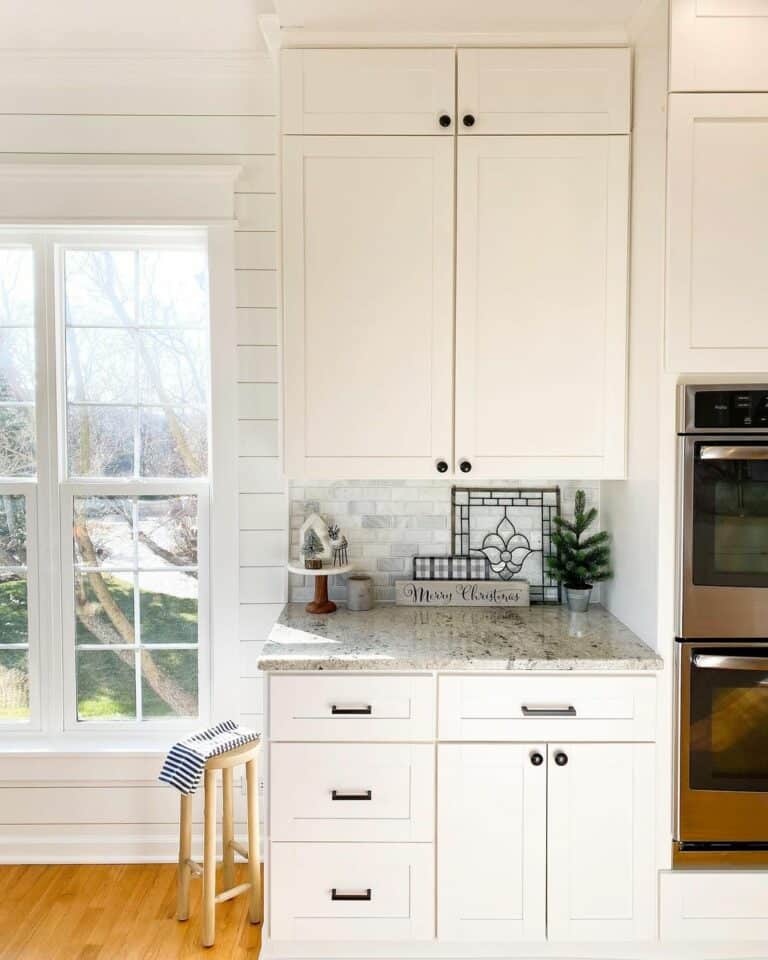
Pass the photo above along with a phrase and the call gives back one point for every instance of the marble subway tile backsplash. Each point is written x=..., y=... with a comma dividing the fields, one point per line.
x=388, y=522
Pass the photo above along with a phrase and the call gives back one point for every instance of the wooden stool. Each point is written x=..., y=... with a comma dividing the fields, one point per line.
x=247, y=754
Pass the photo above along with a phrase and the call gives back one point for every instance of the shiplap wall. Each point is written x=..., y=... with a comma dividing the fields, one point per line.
x=168, y=106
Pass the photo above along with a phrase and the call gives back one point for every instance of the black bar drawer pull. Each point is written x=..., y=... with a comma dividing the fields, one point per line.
x=335, y=895
x=565, y=711
x=363, y=795
x=367, y=710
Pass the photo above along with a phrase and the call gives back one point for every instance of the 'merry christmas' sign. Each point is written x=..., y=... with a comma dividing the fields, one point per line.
x=462, y=593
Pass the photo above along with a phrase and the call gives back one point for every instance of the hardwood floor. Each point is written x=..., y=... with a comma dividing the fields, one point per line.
x=113, y=912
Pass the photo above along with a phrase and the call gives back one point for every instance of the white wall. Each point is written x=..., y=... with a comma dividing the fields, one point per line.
x=630, y=508
x=175, y=82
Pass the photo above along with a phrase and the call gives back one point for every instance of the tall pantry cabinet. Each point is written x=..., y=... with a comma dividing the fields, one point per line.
x=717, y=188
x=455, y=262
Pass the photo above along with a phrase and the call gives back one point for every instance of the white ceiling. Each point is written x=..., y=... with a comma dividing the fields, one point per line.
x=455, y=16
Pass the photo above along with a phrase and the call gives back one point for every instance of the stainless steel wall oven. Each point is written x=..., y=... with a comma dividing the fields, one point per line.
x=724, y=522
x=722, y=625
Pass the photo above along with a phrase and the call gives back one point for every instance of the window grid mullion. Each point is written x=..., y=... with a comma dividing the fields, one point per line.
x=137, y=613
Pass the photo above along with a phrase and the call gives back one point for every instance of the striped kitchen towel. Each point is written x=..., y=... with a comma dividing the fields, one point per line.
x=185, y=762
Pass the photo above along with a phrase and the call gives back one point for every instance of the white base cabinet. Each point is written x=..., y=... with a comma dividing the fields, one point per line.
x=386, y=827
x=559, y=845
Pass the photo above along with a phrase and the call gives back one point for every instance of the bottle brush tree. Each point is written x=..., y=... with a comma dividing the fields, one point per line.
x=580, y=561
x=312, y=545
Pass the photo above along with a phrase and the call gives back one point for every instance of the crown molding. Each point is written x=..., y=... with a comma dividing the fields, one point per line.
x=292, y=37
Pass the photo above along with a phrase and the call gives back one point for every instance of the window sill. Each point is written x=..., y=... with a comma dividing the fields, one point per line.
x=79, y=745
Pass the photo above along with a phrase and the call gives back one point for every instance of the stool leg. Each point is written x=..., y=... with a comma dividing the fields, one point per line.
x=228, y=829
x=254, y=859
x=185, y=852
x=209, y=861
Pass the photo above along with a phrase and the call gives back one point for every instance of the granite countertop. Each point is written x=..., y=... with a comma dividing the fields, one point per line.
x=455, y=638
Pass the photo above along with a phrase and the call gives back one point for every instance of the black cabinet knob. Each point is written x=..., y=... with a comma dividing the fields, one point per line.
x=468, y=120
x=537, y=759
x=442, y=466
x=465, y=466
x=445, y=120
x=561, y=759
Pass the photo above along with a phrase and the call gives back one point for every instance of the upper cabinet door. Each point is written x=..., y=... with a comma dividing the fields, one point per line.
x=368, y=305
x=717, y=210
x=368, y=91
x=541, y=310
x=718, y=45
x=601, y=882
x=491, y=842
x=544, y=91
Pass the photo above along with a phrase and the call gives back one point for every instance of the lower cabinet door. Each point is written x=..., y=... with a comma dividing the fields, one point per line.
x=491, y=837
x=352, y=891
x=600, y=840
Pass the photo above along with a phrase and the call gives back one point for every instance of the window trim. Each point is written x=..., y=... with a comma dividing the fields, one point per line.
x=52, y=723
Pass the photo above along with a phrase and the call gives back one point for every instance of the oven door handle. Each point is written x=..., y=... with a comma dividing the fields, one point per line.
x=722, y=452
x=712, y=661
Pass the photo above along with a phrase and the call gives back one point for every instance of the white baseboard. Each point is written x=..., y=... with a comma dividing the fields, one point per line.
x=91, y=845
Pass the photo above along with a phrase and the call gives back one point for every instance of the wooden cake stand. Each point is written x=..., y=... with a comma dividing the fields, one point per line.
x=320, y=603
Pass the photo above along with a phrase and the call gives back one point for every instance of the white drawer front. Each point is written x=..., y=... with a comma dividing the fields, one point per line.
x=352, y=791
x=349, y=707
x=547, y=708
x=396, y=880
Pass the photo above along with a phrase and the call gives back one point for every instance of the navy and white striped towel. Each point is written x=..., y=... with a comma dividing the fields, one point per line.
x=185, y=762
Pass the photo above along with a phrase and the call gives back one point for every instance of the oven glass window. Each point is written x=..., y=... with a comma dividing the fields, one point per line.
x=730, y=515
x=729, y=719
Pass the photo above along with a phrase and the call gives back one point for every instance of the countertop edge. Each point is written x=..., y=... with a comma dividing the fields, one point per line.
x=313, y=665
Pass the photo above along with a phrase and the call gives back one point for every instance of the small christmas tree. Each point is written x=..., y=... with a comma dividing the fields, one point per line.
x=310, y=550
x=579, y=563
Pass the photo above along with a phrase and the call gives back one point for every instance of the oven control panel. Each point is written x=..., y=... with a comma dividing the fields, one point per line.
x=727, y=409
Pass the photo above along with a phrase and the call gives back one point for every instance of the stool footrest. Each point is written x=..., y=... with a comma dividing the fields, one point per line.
x=194, y=868
x=239, y=848
x=232, y=892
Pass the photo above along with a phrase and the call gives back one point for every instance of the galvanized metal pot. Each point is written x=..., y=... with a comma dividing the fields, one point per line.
x=578, y=600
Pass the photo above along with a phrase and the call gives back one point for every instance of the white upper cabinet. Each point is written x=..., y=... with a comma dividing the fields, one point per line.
x=540, y=268
x=368, y=304
x=541, y=308
x=718, y=45
x=492, y=829
x=544, y=91
x=368, y=91
x=717, y=208
x=600, y=854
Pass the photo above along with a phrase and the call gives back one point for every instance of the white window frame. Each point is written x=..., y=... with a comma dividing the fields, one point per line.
x=162, y=196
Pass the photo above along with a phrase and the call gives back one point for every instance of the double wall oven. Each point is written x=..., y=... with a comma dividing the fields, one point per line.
x=722, y=654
